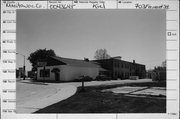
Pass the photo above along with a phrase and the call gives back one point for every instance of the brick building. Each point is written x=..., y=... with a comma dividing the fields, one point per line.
x=117, y=68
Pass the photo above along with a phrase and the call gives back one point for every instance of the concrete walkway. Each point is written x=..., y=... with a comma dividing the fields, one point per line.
x=113, y=82
x=34, y=105
x=32, y=97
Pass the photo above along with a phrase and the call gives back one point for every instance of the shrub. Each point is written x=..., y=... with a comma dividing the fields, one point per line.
x=103, y=78
x=87, y=78
x=84, y=78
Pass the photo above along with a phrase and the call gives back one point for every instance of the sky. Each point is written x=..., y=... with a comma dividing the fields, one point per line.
x=138, y=35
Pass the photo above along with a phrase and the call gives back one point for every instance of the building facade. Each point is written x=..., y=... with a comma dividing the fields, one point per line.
x=117, y=68
x=65, y=69
x=20, y=72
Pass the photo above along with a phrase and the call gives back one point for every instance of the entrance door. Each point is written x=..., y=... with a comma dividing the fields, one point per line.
x=57, y=76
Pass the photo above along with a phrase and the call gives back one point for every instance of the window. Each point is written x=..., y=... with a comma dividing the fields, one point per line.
x=115, y=64
x=45, y=73
x=115, y=73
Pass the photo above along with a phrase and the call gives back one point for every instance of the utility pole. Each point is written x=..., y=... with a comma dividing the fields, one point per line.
x=24, y=66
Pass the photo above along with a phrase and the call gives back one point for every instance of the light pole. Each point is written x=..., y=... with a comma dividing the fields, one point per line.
x=24, y=67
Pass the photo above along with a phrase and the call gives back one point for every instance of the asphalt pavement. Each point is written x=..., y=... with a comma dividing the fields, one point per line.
x=32, y=96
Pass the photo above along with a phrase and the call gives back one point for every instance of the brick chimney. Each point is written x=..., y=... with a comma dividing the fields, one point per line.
x=134, y=61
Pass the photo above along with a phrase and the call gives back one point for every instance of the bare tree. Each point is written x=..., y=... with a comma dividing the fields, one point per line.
x=101, y=54
x=163, y=64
